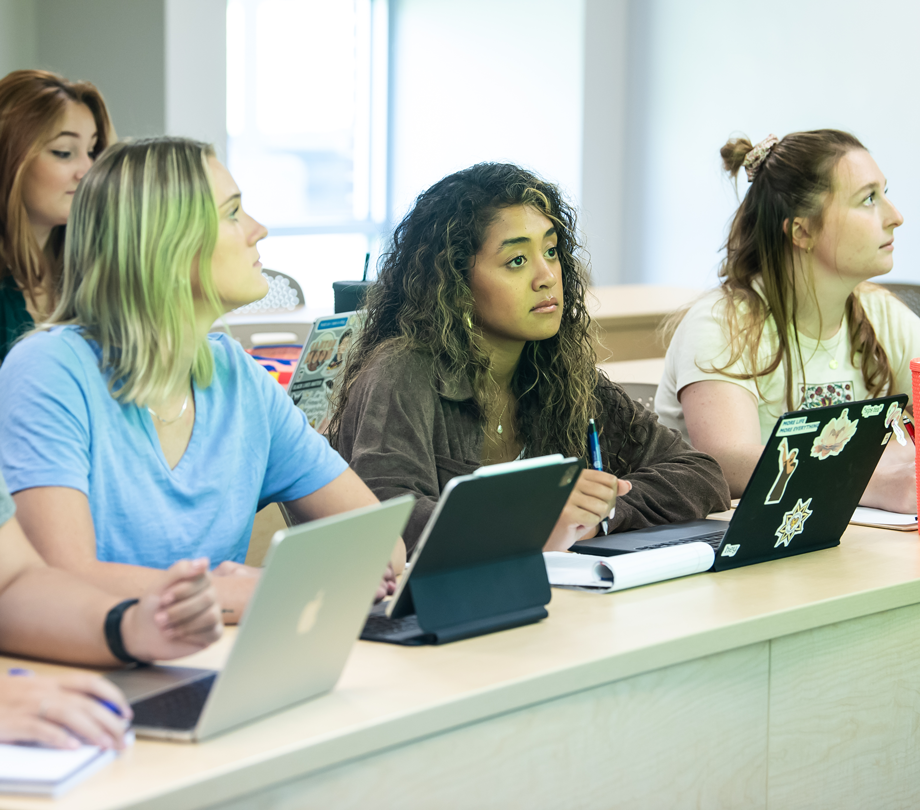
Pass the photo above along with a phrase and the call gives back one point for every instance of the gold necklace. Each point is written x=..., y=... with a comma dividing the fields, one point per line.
x=499, y=428
x=835, y=357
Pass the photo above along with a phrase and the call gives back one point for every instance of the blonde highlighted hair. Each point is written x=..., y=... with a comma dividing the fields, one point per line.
x=143, y=217
x=31, y=104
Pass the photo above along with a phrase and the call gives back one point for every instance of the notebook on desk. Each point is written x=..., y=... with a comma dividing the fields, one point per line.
x=478, y=566
x=813, y=470
x=297, y=632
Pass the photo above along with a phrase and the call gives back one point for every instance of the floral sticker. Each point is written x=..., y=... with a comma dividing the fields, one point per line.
x=793, y=522
x=893, y=420
x=788, y=461
x=832, y=393
x=834, y=437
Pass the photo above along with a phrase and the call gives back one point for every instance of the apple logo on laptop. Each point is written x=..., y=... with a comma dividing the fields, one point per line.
x=309, y=613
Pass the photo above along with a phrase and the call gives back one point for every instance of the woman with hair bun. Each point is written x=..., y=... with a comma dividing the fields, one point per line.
x=795, y=323
x=476, y=351
x=51, y=131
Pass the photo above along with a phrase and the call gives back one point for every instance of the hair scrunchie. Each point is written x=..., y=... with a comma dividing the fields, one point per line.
x=757, y=155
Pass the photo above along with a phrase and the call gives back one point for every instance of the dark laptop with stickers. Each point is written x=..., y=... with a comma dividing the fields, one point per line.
x=813, y=470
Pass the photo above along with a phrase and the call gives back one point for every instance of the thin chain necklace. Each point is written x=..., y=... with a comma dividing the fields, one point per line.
x=835, y=357
x=177, y=418
x=499, y=428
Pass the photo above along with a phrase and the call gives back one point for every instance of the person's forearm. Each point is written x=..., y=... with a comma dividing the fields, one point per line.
x=671, y=492
x=737, y=463
x=130, y=581
x=46, y=613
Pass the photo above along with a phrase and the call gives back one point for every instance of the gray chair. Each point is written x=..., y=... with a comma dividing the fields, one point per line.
x=284, y=295
x=908, y=293
x=643, y=393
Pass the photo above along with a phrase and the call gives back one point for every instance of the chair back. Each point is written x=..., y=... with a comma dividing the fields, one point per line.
x=643, y=393
x=284, y=295
x=908, y=293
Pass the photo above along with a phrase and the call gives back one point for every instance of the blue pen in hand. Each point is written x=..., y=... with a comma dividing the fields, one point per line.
x=107, y=703
x=594, y=453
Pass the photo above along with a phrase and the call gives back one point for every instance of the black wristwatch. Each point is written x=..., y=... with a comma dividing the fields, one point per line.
x=113, y=635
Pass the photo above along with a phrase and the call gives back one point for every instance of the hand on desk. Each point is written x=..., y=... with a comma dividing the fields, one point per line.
x=178, y=617
x=61, y=712
x=590, y=502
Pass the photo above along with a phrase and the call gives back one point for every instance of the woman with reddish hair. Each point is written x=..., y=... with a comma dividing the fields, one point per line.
x=51, y=131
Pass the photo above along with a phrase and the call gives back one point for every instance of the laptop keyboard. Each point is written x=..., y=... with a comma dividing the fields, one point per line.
x=713, y=538
x=382, y=628
x=177, y=708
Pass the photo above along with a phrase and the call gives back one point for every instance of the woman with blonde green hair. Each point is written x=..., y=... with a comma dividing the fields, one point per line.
x=129, y=436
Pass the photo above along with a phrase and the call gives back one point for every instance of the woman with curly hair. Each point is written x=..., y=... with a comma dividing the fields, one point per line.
x=476, y=351
x=51, y=131
x=794, y=323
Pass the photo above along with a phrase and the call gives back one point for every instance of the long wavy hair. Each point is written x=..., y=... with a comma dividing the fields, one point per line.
x=31, y=104
x=422, y=301
x=142, y=217
x=760, y=281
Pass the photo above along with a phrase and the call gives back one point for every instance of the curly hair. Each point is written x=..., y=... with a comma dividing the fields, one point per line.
x=795, y=180
x=422, y=301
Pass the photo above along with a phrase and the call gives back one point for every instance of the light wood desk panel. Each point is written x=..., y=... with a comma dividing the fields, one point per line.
x=627, y=317
x=649, y=666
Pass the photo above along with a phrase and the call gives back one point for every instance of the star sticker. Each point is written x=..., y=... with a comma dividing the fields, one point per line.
x=793, y=522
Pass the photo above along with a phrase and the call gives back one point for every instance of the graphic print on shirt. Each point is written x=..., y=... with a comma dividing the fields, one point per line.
x=788, y=461
x=835, y=436
x=824, y=394
x=793, y=523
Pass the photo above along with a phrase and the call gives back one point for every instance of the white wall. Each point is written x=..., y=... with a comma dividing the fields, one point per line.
x=117, y=45
x=701, y=71
x=603, y=178
x=484, y=80
x=196, y=71
x=18, y=43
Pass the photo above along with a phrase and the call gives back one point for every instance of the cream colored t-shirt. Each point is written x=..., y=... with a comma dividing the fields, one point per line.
x=701, y=344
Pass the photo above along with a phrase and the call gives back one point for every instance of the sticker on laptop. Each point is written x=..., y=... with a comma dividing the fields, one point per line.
x=730, y=550
x=872, y=410
x=885, y=439
x=793, y=523
x=835, y=436
x=788, y=461
x=893, y=420
x=796, y=426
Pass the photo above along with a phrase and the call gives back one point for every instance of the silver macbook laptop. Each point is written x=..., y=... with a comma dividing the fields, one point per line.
x=305, y=614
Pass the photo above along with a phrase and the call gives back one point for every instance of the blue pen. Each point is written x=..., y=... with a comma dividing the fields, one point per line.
x=594, y=452
x=108, y=704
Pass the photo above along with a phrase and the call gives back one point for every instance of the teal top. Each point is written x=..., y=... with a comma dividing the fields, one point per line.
x=15, y=319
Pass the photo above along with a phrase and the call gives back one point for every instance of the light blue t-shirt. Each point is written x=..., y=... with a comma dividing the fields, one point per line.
x=250, y=446
x=7, y=507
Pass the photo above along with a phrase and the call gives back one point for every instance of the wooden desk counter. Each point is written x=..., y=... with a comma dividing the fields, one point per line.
x=628, y=316
x=793, y=680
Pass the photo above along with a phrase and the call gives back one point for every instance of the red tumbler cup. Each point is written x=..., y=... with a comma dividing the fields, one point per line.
x=915, y=375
